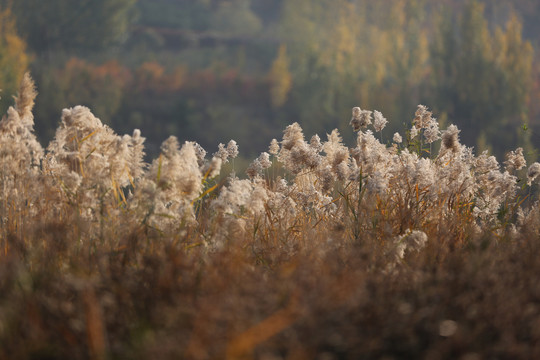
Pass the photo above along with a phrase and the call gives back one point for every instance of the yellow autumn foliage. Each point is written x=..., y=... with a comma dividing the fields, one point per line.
x=280, y=78
x=13, y=58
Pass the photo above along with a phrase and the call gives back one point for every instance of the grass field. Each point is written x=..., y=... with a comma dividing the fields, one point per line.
x=417, y=248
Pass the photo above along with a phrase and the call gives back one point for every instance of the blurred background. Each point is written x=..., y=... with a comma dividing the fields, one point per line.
x=215, y=70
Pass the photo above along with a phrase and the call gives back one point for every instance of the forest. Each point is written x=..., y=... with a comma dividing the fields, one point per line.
x=211, y=71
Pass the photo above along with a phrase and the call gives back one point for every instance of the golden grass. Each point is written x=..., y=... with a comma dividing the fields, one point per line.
x=157, y=266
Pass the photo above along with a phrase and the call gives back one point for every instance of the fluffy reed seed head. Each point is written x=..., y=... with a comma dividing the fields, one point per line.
x=422, y=117
x=413, y=133
x=24, y=101
x=21, y=148
x=274, y=147
x=431, y=131
x=232, y=149
x=533, y=172
x=201, y=153
x=379, y=121
x=360, y=118
x=292, y=136
x=227, y=152
x=315, y=142
x=256, y=168
x=515, y=160
x=214, y=167
x=450, y=139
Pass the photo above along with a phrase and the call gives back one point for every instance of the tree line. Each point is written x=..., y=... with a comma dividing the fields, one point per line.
x=211, y=70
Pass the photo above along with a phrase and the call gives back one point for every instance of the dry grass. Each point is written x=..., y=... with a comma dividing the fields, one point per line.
x=370, y=252
x=338, y=301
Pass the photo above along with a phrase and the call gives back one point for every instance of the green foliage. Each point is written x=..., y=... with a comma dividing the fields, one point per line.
x=13, y=58
x=344, y=53
x=472, y=66
x=234, y=17
x=82, y=25
x=482, y=79
x=179, y=14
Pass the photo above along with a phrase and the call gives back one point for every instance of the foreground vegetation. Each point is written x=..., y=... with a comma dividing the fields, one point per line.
x=418, y=248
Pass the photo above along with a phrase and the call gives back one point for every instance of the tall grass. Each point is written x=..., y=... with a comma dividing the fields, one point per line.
x=380, y=250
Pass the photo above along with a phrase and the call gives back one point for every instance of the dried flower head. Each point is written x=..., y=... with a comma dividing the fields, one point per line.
x=19, y=148
x=379, y=121
x=200, y=152
x=85, y=145
x=431, y=131
x=360, y=118
x=515, y=160
x=356, y=111
x=292, y=136
x=413, y=240
x=274, y=147
x=264, y=159
x=397, y=138
x=450, y=139
x=137, y=164
x=422, y=117
x=416, y=239
x=413, y=132
x=214, y=167
x=258, y=165
x=24, y=102
x=224, y=153
x=232, y=149
x=315, y=142
x=533, y=172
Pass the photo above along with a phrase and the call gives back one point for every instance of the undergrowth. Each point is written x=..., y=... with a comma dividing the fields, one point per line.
x=323, y=251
